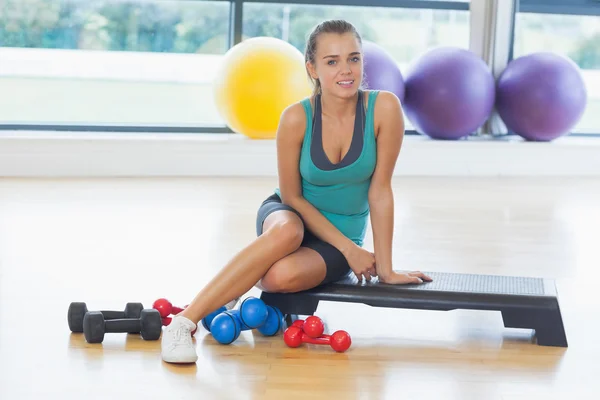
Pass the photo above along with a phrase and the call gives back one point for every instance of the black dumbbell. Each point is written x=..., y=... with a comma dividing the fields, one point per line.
x=77, y=311
x=149, y=324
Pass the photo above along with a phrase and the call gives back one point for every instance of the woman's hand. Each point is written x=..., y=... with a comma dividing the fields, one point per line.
x=397, y=278
x=362, y=262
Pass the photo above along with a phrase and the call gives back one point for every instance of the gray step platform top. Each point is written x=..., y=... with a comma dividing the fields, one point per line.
x=460, y=283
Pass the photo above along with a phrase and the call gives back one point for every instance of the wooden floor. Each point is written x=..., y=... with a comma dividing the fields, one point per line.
x=108, y=242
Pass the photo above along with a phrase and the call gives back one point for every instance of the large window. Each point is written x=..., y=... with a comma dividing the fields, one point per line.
x=110, y=62
x=562, y=26
x=137, y=64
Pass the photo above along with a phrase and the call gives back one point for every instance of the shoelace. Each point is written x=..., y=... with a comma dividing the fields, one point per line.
x=182, y=336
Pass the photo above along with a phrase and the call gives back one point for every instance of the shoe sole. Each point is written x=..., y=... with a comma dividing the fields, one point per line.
x=177, y=360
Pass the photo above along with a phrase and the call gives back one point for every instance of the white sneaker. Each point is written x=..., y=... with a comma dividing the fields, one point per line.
x=176, y=344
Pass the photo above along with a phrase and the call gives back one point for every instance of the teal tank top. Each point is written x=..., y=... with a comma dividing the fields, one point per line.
x=340, y=191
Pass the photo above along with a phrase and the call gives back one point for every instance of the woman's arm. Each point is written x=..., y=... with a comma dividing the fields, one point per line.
x=390, y=128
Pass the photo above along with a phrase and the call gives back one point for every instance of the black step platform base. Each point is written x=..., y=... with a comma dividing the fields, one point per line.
x=529, y=303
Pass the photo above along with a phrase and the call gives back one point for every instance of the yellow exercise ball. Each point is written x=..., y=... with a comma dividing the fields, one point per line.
x=258, y=79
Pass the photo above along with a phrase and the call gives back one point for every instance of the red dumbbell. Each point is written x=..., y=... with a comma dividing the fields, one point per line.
x=165, y=308
x=313, y=326
x=339, y=341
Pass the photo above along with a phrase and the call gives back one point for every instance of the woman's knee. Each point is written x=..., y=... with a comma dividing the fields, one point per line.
x=285, y=233
x=279, y=279
x=287, y=276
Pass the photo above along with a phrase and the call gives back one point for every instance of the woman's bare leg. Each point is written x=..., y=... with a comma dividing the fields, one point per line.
x=282, y=235
x=302, y=270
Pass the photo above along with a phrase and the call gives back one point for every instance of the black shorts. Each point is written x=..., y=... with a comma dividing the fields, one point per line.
x=335, y=262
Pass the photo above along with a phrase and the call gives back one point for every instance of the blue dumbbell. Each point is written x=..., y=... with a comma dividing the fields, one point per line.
x=227, y=326
x=274, y=322
x=206, y=321
x=253, y=312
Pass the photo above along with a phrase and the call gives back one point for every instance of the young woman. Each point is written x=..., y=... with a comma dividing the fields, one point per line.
x=336, y=154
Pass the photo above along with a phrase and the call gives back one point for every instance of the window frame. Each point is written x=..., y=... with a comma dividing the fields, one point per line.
x=567, y=7
x=237, y=7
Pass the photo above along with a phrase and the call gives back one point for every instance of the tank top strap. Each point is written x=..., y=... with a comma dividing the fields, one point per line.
x=307, y=108
x=370, y=118
x=371, y=102
x=309, y=123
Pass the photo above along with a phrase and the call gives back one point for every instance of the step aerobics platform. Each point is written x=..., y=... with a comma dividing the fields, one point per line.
x=528, y=303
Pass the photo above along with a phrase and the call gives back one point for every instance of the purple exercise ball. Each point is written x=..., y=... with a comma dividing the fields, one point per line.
x=381, y=70
x=541, y=96
x=450, y=93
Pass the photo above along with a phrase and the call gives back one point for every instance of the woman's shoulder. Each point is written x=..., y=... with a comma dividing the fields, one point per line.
x=383, y=98
x=384, y=102
x=293, y=119
x=295, y=113
x=386, y=106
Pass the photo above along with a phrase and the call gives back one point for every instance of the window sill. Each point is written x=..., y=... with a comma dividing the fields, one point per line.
x=80, y=154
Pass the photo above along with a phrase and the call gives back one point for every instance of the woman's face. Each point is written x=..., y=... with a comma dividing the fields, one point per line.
x=338, y=64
